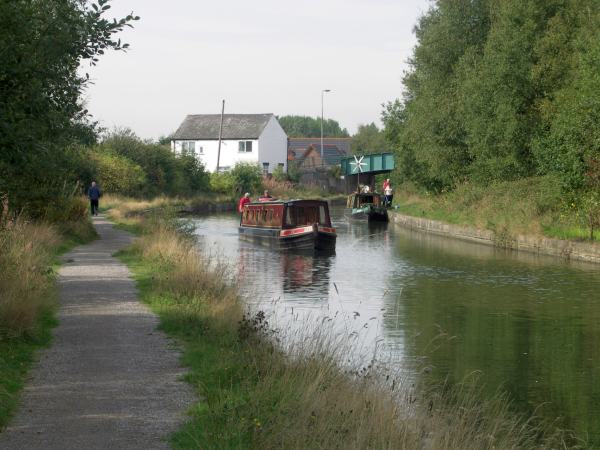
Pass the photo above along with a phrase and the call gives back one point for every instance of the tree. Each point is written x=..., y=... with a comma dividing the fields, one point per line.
x=425, y=127
x=304, y=126
x=117, y=174
x=499, y=91
x=368, y=139
x=42, y=46
x=166, y=172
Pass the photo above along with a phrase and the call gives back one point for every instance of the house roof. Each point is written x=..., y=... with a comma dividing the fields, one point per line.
x=235, y=126
x=342, y=144
x=332, y=155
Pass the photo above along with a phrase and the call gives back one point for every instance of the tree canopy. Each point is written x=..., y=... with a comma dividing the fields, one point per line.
x=369, y=139
x=305, y=126
x=42, y=46
x=500, y=90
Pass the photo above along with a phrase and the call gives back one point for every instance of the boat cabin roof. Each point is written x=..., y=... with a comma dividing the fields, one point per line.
x=288, y=202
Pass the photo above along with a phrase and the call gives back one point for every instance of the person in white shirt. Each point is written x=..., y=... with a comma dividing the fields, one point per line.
x=389, y=195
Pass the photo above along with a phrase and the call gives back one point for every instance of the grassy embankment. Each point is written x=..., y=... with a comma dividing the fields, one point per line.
x=533, y=206
x=252, y=395
x=28, y=259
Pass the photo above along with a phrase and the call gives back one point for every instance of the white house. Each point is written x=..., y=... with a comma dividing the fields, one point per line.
x=253, y=138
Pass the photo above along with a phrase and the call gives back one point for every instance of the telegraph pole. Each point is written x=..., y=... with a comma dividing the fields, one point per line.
x=220, y=135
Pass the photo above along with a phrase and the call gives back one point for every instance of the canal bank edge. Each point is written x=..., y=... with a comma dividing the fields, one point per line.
x=570, y=250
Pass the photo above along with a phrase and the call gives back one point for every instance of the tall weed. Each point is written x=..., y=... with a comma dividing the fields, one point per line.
x=26, y=287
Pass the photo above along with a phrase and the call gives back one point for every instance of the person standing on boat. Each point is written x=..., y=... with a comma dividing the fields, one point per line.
x=388, y=192
x=244, y=200
x=266, y=197
x=386, y=183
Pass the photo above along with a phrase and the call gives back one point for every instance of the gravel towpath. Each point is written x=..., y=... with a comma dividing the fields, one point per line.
x=110, y=380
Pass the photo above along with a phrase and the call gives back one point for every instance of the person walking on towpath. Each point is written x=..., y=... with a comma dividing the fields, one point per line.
x=243, y=201
x=94, y=195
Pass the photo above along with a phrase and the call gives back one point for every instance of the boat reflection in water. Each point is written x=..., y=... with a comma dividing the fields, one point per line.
x=305, y=276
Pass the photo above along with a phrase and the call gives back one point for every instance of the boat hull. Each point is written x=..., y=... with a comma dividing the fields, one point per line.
x=368, y=215
x=311, y=239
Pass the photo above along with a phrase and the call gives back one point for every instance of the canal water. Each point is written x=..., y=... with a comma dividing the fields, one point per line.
x=529, y=325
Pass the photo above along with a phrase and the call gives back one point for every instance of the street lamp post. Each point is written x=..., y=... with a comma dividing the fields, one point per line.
x=322, y=94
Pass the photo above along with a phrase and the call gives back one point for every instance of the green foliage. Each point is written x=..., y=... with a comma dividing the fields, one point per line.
x=369, y=139
x=162, y=171
x=294, y=172
x=222, y=182
x=246, y=178
x=305, y=126
x=500, y=91
x=590, y=211
x=42, y=47
x=279, y=174
x=117, y=174
x=335, y=172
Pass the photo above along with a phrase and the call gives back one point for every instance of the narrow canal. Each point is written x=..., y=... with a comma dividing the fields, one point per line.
x=529, y=324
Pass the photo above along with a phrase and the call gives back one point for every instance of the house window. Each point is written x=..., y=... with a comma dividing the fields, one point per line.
x=245, y=146
x=266, y=168
x=188, y=148
x=200, y=150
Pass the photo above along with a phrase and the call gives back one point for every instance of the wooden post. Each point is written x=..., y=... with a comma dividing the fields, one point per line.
x=220, y=136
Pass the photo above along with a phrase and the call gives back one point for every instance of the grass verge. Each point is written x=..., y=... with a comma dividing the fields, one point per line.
x=533, y=206
x=253, y=395
x=28, y=260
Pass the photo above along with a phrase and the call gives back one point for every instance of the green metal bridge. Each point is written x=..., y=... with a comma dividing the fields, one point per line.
x=367, y=164
x=361, y=169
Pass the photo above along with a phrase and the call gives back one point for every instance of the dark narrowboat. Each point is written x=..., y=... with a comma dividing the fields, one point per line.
x=366, y=206
x=291, y=224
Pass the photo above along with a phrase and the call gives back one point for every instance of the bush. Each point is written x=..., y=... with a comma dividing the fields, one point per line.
x=222, y=182
x=246, y=178
x=279, y=174
x=117, y=174
x=166, y=173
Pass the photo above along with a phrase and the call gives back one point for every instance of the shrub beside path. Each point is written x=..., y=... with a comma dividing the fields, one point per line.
x=110, y=379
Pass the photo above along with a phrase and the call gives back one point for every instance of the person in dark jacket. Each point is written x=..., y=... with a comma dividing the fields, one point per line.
x=94, y=195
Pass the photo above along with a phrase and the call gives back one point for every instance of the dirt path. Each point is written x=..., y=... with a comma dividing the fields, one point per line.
x=110, y=379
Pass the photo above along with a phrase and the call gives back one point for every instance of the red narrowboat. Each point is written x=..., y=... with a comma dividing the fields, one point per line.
x=291, y=224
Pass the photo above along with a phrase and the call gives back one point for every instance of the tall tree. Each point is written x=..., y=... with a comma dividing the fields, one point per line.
x=42, y=46
x=305, y=126
x=431, y=134
x=499, y=90
x=368, y=139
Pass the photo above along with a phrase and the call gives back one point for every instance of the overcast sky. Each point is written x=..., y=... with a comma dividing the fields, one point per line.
x=261, y=56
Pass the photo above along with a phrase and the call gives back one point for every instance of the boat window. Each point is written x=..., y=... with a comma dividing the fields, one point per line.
x=300, y=216
x=322, y=215
x=264, y=215
x=288, y=216
x=270, y=216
